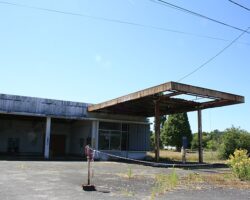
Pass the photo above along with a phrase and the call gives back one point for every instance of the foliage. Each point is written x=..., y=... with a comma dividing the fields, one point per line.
x=212, y=145
x=240, y=164
x=210, y=141
x=234, y=138
x=195, y=142
x=152, y=141
x=176, y=126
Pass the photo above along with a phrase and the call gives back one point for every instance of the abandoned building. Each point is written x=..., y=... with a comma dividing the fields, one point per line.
x=51, y=128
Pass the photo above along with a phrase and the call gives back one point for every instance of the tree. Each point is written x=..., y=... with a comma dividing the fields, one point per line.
x=234, y=138
x=210, y=140
x=152, y=141
x=195, y=141
x=176, y=127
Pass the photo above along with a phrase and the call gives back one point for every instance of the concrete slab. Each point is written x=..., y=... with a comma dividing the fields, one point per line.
x=25, y=180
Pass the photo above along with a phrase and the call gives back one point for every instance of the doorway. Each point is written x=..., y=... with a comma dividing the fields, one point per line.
x=58, y=143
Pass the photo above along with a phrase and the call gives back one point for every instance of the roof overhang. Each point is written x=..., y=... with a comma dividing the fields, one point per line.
x=173, y=98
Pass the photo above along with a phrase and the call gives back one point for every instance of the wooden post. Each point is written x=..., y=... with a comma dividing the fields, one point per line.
x=200, y=137
x=157, y=130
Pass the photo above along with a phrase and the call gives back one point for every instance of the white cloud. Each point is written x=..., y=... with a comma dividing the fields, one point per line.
x=102, y=63
x=98, y=58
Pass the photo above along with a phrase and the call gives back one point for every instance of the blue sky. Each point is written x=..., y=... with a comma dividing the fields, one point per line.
x=52, y=55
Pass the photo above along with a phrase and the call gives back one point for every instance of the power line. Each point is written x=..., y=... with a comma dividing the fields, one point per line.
x=117, y=21
x=212, y=58
x=165, y=3
x=239, y=5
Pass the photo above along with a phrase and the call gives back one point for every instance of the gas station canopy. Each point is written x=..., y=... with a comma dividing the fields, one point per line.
x=173, y=98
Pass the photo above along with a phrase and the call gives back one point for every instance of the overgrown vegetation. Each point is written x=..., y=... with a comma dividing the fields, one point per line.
x=191, y=156
x=239, y=162
x=210, y=141
x=222, y=143
x=164, y=183
x=226, y=180
x=232, y=139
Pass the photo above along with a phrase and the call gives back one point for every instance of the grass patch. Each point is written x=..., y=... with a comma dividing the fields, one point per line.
x=164, y=183
x=128, y=174
x=225, y=180
x=192, y=156
x=127, y=193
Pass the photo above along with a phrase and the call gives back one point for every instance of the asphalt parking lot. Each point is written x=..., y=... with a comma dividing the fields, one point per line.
x=62, y=180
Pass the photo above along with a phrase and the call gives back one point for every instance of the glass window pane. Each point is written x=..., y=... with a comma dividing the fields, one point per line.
x=109, y=126
x=103, y=140
x=124, y=144
x=115, y=133
x=115, y=141
x=124, y=127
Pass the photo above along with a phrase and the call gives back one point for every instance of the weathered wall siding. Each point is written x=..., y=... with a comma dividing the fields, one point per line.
x=43, y=107
x=30, y=134
x=139, y=137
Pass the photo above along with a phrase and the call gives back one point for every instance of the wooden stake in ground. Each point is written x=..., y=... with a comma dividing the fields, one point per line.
x=90, y=156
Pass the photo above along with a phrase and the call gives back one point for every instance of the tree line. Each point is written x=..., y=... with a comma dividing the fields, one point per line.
x=176, y=126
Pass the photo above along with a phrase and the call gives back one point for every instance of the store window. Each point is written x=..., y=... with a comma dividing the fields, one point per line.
x=113, y=136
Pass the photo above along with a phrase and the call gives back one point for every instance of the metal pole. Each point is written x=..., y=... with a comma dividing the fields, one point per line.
x=88, y=171
x=157, y=130
x=200, y=136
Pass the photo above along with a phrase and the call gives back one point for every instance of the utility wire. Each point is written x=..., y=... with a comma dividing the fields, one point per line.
x=239, y=5
x=165, y=3
x=117, y=21
x=216, y=55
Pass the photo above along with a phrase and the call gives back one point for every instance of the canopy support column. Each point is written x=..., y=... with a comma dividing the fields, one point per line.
x=200, y=136
x=47, y=138
x=157, y=130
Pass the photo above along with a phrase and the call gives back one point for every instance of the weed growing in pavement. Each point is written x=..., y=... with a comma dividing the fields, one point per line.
x=130, y=173
x=164, y=183
x=128, y=193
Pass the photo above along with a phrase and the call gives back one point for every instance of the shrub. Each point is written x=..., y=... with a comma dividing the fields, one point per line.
x=234, y=138
x=240, y=164
x=212, y=145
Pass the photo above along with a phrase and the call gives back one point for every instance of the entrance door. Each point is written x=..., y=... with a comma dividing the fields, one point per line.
x=58, y=145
